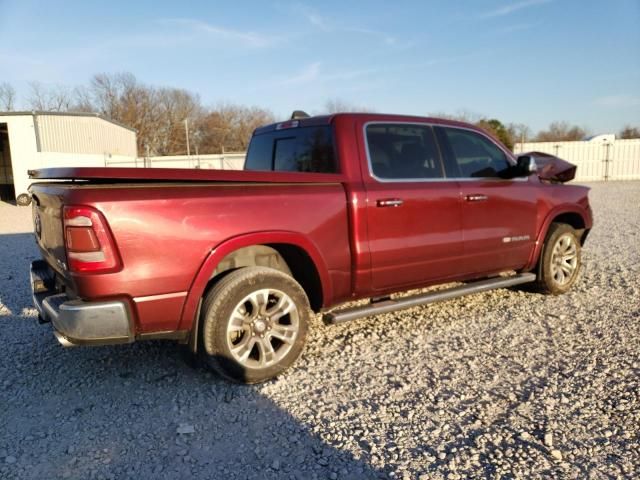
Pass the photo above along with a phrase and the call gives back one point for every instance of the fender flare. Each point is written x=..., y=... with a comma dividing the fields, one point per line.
x=208, y=267
x=542, y=233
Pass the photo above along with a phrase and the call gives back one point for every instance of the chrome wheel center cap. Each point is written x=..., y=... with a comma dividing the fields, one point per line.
x=259, y=326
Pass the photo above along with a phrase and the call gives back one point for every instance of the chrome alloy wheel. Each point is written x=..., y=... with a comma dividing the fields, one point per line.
x=564, y=259
x=263, y=328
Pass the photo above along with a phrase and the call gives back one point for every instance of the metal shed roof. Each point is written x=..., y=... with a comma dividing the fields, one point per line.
x=66, y=114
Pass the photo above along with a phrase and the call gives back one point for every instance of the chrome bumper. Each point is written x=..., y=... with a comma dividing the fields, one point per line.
x=76, y=322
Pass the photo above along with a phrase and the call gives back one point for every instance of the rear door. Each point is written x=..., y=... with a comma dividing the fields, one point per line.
x=413, y=212
x=498, y=214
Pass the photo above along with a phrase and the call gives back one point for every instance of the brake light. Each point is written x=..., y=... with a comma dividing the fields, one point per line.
x=88, y=241
x=287, y=124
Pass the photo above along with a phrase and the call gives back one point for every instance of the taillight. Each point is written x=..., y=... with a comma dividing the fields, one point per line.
x=88, y=241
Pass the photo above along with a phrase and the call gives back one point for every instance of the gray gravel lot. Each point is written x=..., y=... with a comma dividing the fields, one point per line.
x=505, y=384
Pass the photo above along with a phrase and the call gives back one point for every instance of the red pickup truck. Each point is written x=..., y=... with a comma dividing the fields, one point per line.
x=329, y=209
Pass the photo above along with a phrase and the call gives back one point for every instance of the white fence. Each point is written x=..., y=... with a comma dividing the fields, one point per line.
x=614, y=160
x=226, y=161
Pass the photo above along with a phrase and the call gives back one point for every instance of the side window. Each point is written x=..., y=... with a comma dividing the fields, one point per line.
x=403, y=151
x=475, y=155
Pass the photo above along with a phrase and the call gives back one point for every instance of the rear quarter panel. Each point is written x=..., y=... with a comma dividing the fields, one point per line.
x=164, y=234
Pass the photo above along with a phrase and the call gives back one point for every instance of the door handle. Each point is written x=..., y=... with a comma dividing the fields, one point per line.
x=389, y=202
x=476, y=197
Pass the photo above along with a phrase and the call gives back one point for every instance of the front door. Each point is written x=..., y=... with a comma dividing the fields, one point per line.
x=413, y=212
x=498, y=213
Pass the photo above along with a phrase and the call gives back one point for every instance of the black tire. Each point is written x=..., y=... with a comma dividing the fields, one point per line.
x=556, y=275
x=235, y=296
x=24, y=199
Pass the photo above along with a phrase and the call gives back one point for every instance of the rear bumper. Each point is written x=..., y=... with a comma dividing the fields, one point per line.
x=76, y=322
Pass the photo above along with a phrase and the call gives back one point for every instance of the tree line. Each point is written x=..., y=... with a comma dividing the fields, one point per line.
x=162, y=116
x=513, y=133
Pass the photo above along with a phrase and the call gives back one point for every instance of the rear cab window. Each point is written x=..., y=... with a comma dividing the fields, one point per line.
x=399, y=151
x=297, y=149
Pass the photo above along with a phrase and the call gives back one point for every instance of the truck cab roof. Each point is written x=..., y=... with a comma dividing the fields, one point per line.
x=317, y=120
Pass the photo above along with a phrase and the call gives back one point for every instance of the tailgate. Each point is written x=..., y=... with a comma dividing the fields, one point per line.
x=47, y=225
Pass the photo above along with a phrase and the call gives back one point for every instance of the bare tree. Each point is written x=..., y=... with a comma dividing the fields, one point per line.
x=82, y=100
x=519, y=132
x=157, y=114
x=50, y=98
x=629, y=132
x=7, y=97
x=562, y=132
x=337, y=105
x=174, y=107
x=121, y=98
x=228, y=127
x=466, y=116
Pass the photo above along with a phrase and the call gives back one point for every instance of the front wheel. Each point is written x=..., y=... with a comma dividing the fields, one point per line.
x=254, y=324
x=560, y=260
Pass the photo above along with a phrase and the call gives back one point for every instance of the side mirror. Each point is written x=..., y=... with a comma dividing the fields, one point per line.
x=526, y=165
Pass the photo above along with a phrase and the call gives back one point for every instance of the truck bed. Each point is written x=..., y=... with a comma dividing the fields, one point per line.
x=167, y=222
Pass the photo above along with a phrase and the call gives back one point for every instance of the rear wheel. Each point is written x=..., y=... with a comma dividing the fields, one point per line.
x=254, y=324
x=560, y=260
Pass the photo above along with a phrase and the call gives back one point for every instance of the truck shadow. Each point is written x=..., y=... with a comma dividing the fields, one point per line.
x=17, y=251
x=140, y=410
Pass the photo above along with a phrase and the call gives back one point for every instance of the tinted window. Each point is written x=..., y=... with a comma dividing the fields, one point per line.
x=474, y=155
x=260, y=154
x=304, y=149
x=403, y=151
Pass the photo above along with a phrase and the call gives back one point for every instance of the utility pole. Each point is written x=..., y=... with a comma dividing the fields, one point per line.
x=186, y=132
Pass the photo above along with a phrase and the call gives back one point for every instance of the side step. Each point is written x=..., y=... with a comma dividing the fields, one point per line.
x=341, y=316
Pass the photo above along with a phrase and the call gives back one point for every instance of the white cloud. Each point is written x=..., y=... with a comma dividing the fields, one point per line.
x=309, y=74
x=313, y=73
x=386, y=38
x=618, y=101
x=242, y=37
x=513, y=7
x=327, y=24
x=317, y=20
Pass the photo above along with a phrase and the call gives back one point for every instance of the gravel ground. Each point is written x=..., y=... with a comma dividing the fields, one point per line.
x=505, y=384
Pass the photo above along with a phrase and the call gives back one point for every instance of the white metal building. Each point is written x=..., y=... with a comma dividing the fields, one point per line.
x=32, y=140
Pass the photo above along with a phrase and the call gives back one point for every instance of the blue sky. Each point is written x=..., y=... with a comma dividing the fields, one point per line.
x=523, y=61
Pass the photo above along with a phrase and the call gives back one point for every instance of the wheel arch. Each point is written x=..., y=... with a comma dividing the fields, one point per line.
x=288, y=252
x=579, y=220
x=575, y=220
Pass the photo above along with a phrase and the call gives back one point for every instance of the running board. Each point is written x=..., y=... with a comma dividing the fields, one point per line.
x=341, y=316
